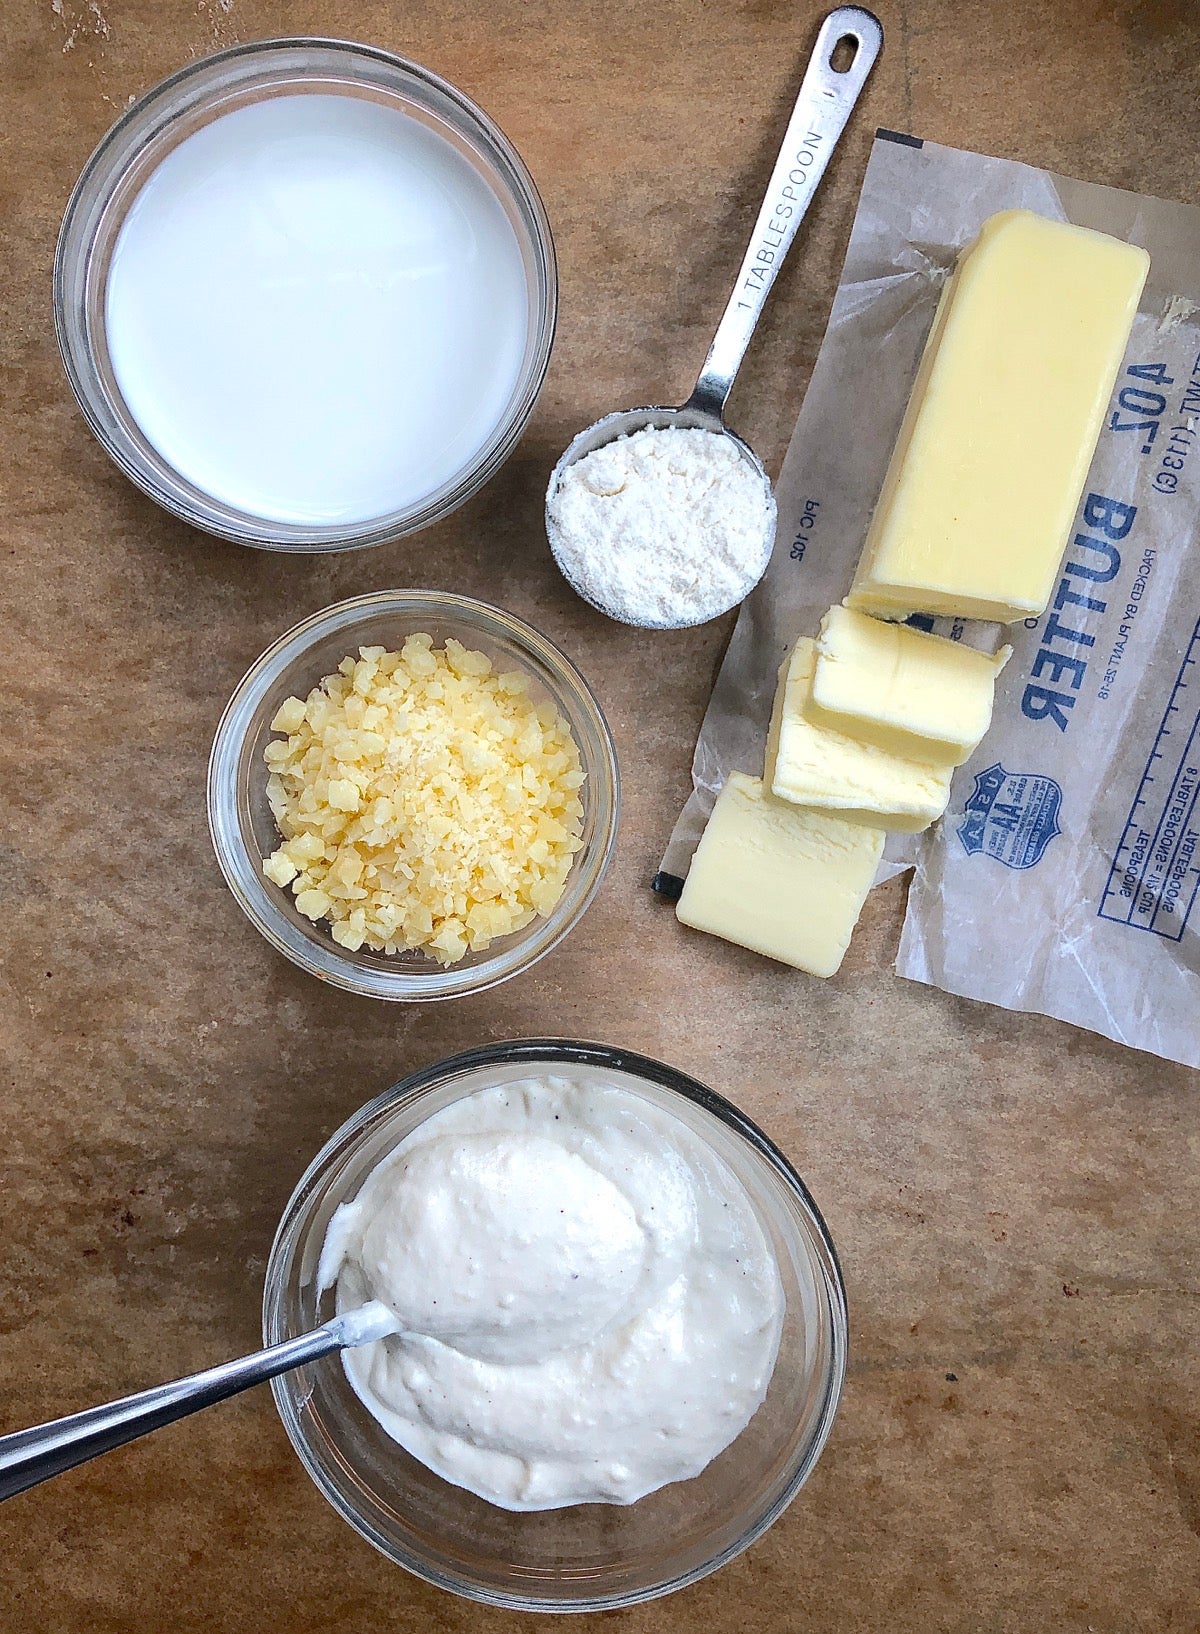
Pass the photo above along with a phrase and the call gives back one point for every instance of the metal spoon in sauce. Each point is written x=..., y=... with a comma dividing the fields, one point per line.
x=849, y=41
x=28, y=1457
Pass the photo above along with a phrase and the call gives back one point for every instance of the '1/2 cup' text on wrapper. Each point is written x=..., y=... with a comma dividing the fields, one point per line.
x=1065, y=876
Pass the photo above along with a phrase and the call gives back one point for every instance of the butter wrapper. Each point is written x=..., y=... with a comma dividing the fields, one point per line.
x=1065, y=876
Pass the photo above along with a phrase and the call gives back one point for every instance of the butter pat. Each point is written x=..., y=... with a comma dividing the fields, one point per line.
x=812, y=765
x=777, y=879
x=993, y=453
x=914, y=695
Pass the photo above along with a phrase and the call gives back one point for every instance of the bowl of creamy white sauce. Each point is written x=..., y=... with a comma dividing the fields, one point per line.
x=622, y=1326
x=305, y=294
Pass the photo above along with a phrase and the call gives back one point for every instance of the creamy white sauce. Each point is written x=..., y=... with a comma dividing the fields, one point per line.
x=589, y=1306
x=317, y=309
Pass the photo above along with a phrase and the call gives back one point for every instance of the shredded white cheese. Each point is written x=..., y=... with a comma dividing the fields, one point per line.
x=424, y=800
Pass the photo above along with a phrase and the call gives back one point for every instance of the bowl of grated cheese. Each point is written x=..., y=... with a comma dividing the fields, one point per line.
x=413, y=795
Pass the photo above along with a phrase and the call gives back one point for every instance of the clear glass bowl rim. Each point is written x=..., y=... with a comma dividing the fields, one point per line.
x=535, y=1052
x=84, y=379
x=333, y=967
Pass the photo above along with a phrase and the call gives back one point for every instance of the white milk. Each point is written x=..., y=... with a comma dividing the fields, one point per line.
x=317, y=310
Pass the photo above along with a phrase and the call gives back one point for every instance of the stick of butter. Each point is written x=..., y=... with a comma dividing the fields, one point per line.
x=812, y=765
x=915, y=695
x=994, y=449
x=777, y=879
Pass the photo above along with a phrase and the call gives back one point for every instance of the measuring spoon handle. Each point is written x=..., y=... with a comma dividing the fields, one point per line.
x=30, y=1456
x=826, y=101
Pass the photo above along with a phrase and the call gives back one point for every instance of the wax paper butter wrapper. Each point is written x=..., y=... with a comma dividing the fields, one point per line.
x=1064, y=876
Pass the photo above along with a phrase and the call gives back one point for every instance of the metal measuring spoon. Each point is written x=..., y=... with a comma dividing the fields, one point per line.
x=826, y=99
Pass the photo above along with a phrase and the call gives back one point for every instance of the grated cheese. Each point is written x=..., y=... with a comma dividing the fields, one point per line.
x=424, y=801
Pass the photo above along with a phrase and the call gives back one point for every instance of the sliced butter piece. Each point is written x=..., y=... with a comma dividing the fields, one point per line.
x=993, y=453
x=915, y=695
x=777, y=879
x=811, y=765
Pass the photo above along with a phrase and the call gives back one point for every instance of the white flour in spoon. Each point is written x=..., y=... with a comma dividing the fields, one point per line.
x=665, y=528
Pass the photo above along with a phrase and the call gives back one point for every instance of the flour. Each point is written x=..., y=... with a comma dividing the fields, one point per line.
x=663, y=528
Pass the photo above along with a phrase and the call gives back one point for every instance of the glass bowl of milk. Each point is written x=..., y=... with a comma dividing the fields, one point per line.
x=244, y=831
x=305, y=294
x=589, y=1556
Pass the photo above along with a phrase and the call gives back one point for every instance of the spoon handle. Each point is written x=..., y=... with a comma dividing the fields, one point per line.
x=33, y=1455
x=826, y=101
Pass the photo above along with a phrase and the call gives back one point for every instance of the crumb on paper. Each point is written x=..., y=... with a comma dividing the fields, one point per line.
x=85, y=21
x=1177, y=309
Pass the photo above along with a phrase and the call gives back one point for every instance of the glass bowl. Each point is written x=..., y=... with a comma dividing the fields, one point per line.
x=243, y=828
x=158, y=123
x=591, y=1557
